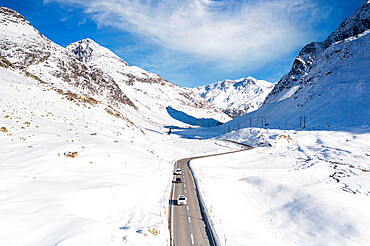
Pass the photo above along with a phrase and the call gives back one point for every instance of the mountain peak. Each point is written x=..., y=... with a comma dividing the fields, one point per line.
x=12, y=13
x=89, y=51
x=14, y=25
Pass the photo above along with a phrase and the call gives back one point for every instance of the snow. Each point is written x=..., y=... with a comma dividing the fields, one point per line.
x=287, y=194
x=112, y=193
x=289, y=93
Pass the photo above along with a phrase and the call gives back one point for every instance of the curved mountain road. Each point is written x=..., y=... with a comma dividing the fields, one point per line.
x=189, y=223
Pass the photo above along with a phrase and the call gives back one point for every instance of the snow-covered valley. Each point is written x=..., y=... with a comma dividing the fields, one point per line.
x=295, y=187
x=86, y=157
x=112, y=192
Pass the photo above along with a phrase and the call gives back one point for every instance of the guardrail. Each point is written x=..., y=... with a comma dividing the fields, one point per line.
x=170, y=213
x=210, y=230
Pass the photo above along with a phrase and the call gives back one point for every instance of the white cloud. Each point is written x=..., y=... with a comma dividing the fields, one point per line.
x=248, y=33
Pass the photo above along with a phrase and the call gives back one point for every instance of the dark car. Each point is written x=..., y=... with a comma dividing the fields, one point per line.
x=178, y=180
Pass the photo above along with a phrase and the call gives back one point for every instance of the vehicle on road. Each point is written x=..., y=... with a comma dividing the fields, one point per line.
x=181, y=200
x=178, y=180
x=178, y=171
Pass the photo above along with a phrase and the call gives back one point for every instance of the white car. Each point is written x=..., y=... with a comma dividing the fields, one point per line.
x=181, y=200
x=178, y=171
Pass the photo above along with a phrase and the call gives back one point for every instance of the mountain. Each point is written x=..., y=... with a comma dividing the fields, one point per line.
x=155, y=97
x=236, y=97
x=86, y=72
x=25, y=49
x=328, y=85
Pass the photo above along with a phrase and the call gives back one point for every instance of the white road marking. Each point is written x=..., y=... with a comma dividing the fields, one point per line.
x=192, y=239
x=187, y=207
x=189, y=219
x=184, y=185
x=185, y=191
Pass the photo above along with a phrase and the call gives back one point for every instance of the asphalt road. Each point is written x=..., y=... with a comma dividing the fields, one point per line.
x=187, y=224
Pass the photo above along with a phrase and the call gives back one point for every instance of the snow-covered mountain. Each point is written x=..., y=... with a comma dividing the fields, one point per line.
x=86, y=71
x=154, y=97
x=328, y=85
x=27, y=50
x=236, y=97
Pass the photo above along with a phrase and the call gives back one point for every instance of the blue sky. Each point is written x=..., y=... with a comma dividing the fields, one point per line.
x=193, y=42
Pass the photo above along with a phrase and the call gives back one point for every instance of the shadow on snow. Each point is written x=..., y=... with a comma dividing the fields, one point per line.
x=188, y=119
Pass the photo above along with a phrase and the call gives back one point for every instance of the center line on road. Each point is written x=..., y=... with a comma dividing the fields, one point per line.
x=187, y=207
x=185, y=191
x=189, y=219
x=192, y=239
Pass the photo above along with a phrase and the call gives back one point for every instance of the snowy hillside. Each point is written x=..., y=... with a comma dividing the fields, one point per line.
x=236, y=97
x=328, y=85
x=152, y=94
x=72, y=174
x=27, y=50
x=85, y=69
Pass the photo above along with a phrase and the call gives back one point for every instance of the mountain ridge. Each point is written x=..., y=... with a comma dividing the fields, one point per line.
x=86, y=68
x=236, y=97
x=353, y=25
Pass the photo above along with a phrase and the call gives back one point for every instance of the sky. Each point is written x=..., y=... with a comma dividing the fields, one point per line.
x=193, y=42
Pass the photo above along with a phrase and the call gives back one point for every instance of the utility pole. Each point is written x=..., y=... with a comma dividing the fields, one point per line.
x=302, y=119
x=262, y=121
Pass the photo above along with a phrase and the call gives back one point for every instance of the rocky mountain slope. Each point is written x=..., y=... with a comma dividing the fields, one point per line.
x=90, y=74
x=27, y=50
x=236, y=97
x=328, y=85
x=153, y=95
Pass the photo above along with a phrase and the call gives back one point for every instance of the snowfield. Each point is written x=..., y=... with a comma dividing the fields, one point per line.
x=298, y=188
x=115, y=192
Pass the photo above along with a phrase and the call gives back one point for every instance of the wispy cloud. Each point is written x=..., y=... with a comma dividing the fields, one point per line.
x=247, y=33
